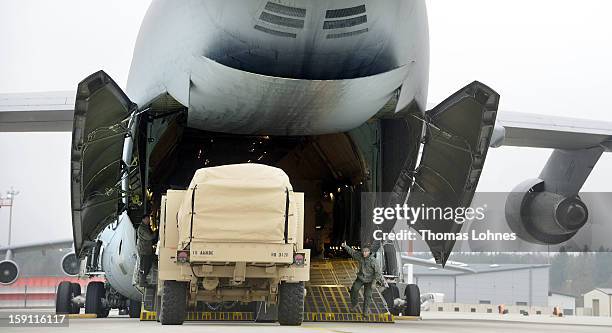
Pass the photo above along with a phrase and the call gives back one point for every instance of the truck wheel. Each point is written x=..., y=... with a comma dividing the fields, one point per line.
x=76, y=291
x=63, y=298
x=413, y=300
x=93, y=299
x=173, y=303
x=134, y=308
x=291, y=304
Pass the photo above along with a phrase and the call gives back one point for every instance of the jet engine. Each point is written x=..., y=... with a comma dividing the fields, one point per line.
x=9, y=271
x=542, y=217
x=70, y=264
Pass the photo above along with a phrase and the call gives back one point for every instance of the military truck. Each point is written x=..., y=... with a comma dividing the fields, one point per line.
x=235, y=235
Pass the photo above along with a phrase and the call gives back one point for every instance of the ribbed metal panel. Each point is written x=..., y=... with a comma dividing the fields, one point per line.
x=338, y=24
x=344, y=12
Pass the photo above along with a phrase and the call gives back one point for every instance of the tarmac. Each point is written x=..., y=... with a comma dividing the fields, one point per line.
x=430, y=322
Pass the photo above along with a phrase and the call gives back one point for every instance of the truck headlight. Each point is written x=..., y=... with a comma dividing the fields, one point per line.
x=182, y=256
x=299, y=259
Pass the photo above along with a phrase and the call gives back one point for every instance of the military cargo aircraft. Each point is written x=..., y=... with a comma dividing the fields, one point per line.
x=332, y=92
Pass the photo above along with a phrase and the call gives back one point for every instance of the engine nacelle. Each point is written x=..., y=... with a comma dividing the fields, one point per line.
x=9, y=270
x=543, y=217
x=70, y=264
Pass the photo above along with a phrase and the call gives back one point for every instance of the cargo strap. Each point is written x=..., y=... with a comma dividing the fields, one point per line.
x=286, y=215
x=192, y=213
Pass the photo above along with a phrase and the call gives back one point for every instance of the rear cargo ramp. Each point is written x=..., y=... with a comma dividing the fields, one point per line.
x=328, y=298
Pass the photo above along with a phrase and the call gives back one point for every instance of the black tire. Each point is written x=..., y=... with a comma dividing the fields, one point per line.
x=93, y=299
x=104, y=313
x=173, y=303
x=76, y=291
x=63, y=298
x=390, y=294
x=134, y=309
x=413, y=301
x=291, y=304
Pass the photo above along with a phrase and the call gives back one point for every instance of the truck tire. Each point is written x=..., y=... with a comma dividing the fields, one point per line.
x=173, y=303
x=291, y=304
x=76, y=291
x=413, y=301
x=134, y=308
x=63, y=298
x=93, y=299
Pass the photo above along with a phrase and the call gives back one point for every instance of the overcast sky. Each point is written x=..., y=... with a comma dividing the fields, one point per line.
x=543, y=56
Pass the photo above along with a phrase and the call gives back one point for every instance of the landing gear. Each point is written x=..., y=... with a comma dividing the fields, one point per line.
x=391, y=294
x=66, y=292
x=75, y=289
x=134, y=309
x=413, y=301
x=63, y=298
x=94, y=299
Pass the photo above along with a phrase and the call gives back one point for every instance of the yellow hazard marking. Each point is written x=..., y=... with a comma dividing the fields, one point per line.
x=204, y=316
x=308, y=316
x=348, y=317
x=82, y=315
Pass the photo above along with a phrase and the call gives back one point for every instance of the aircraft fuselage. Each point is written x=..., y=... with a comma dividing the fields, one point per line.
x=299, y=67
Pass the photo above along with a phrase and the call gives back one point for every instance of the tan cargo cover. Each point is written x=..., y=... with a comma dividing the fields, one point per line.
x=235, y=203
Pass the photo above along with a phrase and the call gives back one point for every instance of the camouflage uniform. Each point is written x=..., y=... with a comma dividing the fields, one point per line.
x=369, y=273
x=145, y=251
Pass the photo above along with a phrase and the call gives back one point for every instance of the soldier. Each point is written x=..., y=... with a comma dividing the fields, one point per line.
x=145, y=249
x=369, y=272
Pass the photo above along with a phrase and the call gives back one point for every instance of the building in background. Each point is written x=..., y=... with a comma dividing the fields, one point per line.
x=566, y=302
x=511, y=285
x=599, y=301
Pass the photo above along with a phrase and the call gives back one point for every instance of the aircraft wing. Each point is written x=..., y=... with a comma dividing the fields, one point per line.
x=540, y=131
x=64, y=243
x=28, y=253
x=37, y=112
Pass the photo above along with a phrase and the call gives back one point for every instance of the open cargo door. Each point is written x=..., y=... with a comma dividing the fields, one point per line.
x=101, y=116
x=456, y=141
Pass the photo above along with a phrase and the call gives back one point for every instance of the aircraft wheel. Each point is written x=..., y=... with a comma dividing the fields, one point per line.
x=413, y=300
x=76, y=291
x=391, y=294
x=93, y=299
x=134, y=309
x=63, y=298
